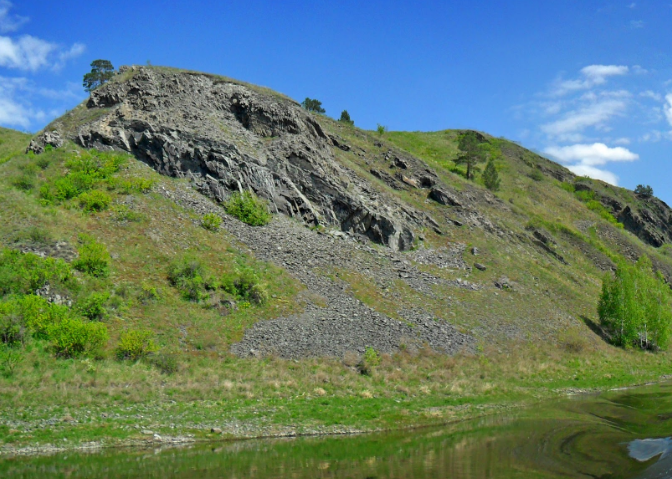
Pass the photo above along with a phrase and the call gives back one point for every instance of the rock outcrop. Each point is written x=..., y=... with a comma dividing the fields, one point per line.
x=228, y=137
x=51, y=138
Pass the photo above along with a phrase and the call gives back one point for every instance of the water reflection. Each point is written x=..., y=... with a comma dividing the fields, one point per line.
x=646, y=449
x=602, y=437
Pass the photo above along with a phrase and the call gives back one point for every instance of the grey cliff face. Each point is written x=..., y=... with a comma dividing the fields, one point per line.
x=228, y=137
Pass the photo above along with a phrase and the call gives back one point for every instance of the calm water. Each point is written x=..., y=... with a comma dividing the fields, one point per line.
x=617, y=435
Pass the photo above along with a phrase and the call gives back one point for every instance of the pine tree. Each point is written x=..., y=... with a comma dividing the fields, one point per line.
x=490, y=176
x=345, y=118
x=101, y=72
x=472, y=154
x=312, y=104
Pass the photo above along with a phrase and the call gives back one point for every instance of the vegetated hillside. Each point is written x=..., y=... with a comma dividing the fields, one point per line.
x=386, y=286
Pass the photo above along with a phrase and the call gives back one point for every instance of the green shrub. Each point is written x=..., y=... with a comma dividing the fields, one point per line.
x=244, y=284
x=94, y=200
x=211, y=222
x=567, y=187
x=10, y=358
x=248, y=208
x=43, y=162
x=585, y=195
x=188, y=276
x=370, y=360
x=123, y=213
x=635, y=306
x=536, y=175
x=24, y=183
x=13, y=329
x=97, y=164
x=135, y=344
x=133, y=185
x=23, y=273
x=148, y=293
x=73, y=337
x=597, y=207
x=93, y=257
x=165, y=361
x=93, y=306
x=48, y=148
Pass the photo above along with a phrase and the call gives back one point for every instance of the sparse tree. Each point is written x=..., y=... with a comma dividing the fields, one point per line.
x=101, y=72
x=312, y=104
x=472, y=153
x=345, y=118
x=490, y=176
x=381, y=129
x=644, y=191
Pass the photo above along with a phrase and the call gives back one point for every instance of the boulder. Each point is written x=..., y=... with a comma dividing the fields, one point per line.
x=37, y=144
x=444, y=197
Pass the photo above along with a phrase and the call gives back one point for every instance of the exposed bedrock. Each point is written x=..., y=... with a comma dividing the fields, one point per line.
x=229, y=137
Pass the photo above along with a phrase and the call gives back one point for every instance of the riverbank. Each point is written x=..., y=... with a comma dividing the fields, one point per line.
x=299, y=398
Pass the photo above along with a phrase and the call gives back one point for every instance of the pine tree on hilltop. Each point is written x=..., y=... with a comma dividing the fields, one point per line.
x=101, y=72
x=472, y=154
x=312, y=104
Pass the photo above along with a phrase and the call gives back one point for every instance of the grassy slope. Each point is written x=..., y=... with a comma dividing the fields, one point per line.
x=554, y=351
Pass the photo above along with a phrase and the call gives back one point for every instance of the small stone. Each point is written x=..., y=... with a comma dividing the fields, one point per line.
x=474, y=251
x=68, y=419
x=480, y=266
x=147, y=432
x=216, y=430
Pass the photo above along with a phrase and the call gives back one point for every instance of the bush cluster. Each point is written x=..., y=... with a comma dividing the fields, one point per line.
x=248, y=208
x=30, y=316
x=24, y=273
x=211, y=222
x=135, y=344
x=193, y=280
x=94, y=258
x=635, y=306
x=85, y=172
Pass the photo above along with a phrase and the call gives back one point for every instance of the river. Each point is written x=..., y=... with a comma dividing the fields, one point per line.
x=619, y=434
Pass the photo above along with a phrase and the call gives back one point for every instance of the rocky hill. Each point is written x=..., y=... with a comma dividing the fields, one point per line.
x=383, y=273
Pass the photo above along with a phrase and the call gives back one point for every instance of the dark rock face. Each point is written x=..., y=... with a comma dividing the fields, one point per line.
x=228, y=137
x=444, y=197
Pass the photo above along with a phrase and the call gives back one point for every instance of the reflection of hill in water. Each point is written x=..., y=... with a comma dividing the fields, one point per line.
x=585, y=436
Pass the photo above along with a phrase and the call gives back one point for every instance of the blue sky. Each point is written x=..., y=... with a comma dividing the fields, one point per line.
x=588, y=83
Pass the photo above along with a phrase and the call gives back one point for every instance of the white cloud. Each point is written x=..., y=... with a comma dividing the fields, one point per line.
x=622, y=141
x=16, y=108
x=598, y=174
x=668, y=108
x=9, y=22
x=652, y=136
x=651, y=94
x=73, y=52
x=593, y=75
x=591, y=155
x=26, y=53
x=583, y=159
x=594, y=115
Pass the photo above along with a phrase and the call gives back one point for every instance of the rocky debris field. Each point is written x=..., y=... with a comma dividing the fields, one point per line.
x=342, y=323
